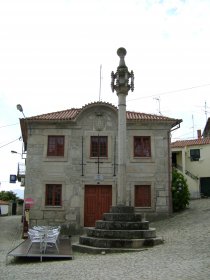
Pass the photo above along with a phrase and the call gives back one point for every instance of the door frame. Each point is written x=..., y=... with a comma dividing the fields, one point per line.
x=114, y=196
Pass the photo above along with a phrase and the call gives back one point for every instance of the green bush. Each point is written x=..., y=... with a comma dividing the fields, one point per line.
x=180, y=191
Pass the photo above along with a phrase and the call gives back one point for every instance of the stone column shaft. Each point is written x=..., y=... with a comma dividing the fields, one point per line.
x=120, y=84
x=122, y=149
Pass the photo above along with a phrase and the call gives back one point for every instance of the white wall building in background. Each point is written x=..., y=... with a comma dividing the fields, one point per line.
x=4, y=207
x=192, y=158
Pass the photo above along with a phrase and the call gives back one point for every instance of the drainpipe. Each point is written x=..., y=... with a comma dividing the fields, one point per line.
x=169, y=174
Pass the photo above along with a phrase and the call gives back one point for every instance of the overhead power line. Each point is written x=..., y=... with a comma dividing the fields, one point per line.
x=8, y=125
x=11, y=142
x=169, y=92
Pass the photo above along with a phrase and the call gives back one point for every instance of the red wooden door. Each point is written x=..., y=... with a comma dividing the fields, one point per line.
x=98, y=200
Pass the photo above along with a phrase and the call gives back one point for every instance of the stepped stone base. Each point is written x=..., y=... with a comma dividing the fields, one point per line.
x=120, y=230
x=94, y=250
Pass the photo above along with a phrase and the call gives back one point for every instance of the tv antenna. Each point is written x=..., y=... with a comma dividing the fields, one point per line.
x=100, y=83
x=206, y=111
x=158, y=99
x=193, y=125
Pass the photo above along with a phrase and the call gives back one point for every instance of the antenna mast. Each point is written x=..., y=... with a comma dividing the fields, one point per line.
x=100, y=84
x=158, y=99
x=193, y=125
x=206, y=110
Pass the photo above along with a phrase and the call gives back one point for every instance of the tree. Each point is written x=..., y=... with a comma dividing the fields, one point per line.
x=8, y=195
x=180, y=191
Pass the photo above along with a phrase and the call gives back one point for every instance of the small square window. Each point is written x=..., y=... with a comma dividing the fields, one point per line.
x=55, y=146
x=142, y=146
x=195, y=154
x=53, y=195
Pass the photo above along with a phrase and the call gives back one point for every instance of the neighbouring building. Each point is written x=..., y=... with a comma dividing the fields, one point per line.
x=72, y=168
x=192, y=158
x=4, y=208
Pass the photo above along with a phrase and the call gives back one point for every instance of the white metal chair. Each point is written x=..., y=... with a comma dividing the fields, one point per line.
x=54, y=230
x=51, y=239
x=35, y=237
x=39, y=228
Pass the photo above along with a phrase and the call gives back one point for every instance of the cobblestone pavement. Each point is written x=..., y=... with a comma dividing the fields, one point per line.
x=185, y=255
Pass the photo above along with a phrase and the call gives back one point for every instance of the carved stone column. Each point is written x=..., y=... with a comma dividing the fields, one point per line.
x=122, y=82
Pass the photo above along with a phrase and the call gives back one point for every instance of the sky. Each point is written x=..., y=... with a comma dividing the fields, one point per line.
x=54, y=54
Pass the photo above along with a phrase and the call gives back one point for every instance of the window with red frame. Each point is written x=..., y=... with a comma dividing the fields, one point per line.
x=99, y=146
x=55, y=146
x=142, y=146
x=53, y=195
x=143, y=196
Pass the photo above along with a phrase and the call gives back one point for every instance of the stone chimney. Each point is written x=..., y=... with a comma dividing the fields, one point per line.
x=199, y=133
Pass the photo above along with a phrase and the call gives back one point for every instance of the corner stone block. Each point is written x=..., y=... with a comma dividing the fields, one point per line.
x=162, y=193
x=161, y=201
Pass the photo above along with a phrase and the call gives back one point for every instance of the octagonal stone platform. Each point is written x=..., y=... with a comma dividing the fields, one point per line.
x=120, y=230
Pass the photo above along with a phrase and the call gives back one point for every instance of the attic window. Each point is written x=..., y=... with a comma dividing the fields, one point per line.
x=194, y=154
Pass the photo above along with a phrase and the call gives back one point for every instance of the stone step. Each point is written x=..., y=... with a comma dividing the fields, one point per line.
x=129, y=217
x=121, y=225
x=121, y=234
x=119, y=243
x=122, y=209
x=76, y=247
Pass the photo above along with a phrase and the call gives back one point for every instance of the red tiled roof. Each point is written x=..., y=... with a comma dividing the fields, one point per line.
x=2, y=202
x=147, y=117
x=193, y=142
x=71, y=114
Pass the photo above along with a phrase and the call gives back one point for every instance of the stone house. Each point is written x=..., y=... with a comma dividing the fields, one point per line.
x=192, y=158
x=72, y=169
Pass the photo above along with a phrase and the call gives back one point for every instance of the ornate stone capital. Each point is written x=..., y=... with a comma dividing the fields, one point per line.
x=122, y=81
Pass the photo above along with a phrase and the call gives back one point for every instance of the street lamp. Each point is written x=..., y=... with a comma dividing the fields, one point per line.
x=25, y=223
x=14, y=152
x=26, y=124
x=20, y=108
x=23, y=155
